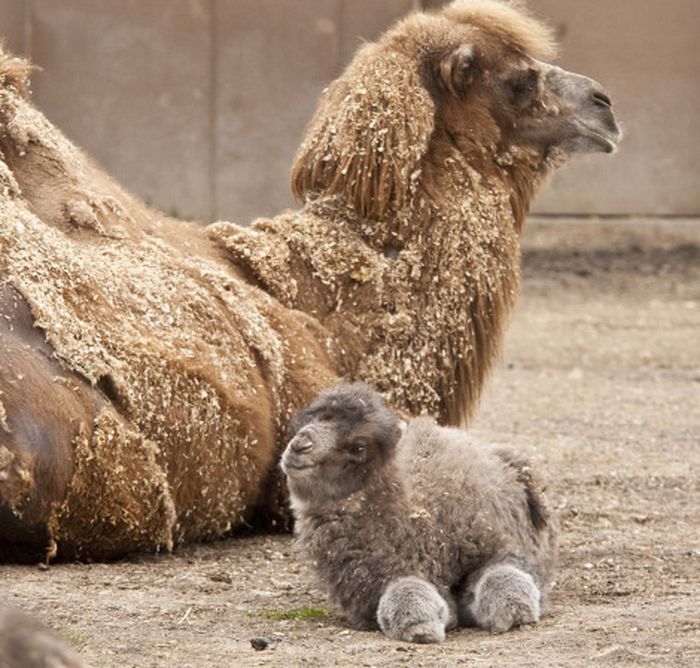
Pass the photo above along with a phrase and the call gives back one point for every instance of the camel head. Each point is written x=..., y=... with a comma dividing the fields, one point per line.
x=471, y=78
x=492, y=89
x=344, y=436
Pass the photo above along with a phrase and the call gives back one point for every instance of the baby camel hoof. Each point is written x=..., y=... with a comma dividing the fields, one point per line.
x=412, y=610
x=425, y=633
x=505, y=597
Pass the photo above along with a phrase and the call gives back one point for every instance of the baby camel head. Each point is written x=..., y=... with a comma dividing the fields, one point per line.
x=344, y=436
x=468, y=79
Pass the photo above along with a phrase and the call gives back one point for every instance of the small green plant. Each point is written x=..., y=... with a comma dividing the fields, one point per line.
x=75, y=638
x=293, y=614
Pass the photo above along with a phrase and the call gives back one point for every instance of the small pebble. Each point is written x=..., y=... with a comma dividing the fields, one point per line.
x=259, y=644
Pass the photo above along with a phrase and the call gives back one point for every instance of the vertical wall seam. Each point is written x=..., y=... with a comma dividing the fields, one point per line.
x=213, y=111
x=27, y=29
x=340, y=37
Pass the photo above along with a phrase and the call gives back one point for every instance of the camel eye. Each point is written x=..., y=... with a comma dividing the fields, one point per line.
x=358, y=448
x=524, y=84
x=520, y=88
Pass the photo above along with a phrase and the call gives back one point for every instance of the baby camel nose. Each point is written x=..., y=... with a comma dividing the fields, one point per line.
x=300, y=444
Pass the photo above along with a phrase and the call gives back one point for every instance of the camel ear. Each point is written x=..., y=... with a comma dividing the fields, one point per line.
x=368, y=136
x=457, y=69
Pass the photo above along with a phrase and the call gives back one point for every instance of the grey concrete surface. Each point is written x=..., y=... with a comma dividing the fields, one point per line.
x=198, y=106
x=647, y=55
x=130, y=82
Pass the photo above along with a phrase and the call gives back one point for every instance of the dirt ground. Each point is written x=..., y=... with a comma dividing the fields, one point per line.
x=599, y=383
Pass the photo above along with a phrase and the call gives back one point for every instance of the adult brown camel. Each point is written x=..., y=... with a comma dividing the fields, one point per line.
x=149, y=367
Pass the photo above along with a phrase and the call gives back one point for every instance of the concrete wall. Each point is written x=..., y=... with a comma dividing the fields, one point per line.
x=647, y=55
x=199, y=105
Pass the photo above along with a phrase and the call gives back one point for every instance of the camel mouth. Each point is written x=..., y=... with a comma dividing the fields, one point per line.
x=293, y=466
x=608, y=144
x=607, y=140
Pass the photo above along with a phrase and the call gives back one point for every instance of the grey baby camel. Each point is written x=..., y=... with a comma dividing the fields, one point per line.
x=415, y=528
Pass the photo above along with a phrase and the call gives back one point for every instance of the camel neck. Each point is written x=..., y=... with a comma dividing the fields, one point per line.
x=415, y=303
x=456, y=186
x=381, y=495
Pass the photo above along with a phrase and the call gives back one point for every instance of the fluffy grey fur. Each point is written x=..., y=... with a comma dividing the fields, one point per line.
x=25, y=643
x=415, y=529
x=412, y=609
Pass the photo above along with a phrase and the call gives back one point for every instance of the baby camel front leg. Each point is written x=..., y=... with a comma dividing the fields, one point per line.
x=413, y=610
x=502, y=596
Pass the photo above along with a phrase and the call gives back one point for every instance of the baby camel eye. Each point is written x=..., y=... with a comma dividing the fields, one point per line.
x=358, y=448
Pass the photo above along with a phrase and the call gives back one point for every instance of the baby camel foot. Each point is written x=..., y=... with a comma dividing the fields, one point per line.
x=504, y=597
x=412, y=610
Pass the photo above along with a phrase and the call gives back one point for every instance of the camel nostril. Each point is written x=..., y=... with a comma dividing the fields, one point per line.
x=302, y=446
x=601, y=99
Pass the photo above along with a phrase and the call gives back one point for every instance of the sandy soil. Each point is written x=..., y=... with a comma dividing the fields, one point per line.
x=599, y=383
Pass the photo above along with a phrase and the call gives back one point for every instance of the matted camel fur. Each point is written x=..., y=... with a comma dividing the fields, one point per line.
x=149, y=367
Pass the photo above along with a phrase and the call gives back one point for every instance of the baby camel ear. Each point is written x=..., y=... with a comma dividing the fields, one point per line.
x=457, y=69
x=393, y=430
x=368, y=136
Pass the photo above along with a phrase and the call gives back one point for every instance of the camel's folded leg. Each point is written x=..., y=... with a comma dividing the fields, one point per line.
x=412, y=609
x=501, y=597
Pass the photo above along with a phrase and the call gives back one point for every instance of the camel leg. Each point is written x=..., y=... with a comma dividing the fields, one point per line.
x=502, y=596
x=413, y=610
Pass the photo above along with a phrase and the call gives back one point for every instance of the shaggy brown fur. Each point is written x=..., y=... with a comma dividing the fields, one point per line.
x=161, y=362
x=144, y=385
x=373, y=505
